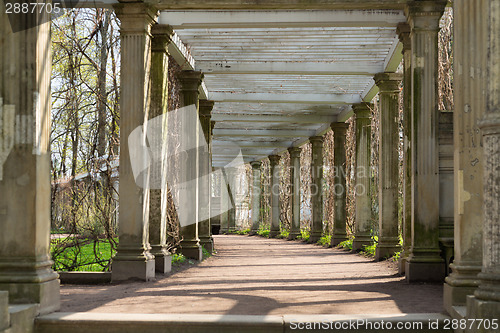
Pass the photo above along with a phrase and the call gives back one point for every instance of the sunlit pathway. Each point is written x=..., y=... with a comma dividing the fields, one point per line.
x=258, y=276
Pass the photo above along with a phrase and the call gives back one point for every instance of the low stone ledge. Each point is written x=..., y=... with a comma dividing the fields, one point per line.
x=85, y=277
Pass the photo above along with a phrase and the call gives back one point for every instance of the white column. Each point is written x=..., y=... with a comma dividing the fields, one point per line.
x=133, y=259
x=25, y=264
x=256, y=196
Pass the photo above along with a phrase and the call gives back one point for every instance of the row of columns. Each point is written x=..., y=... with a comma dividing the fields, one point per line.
x=143, y=212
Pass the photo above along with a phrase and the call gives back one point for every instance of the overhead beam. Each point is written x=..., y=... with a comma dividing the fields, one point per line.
x=273, y=133
x=252, y=144
x=285, y=98
x=289, y=67
x=278, y=19
x=280, y=4
x=285, y=118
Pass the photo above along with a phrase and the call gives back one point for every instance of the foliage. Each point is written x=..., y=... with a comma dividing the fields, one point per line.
x=264, y=231
x=205, y=252
x=346, y=245
x=325, y=240
x=284, y=233
x=304, y=234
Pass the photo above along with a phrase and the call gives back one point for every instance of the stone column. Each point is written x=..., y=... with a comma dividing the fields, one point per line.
x=204, y=177
x=295, y=191
x=362, y=221
x=275, y=195
x=425, y=262
x=486, y=300
x=190, y=244
x=316, y=188
x=403, y=31
x=388, y=240
x=231, y=204
x=133, y=259
x=224, y=206
x=158, y=111
x=470, y=43
x=340, y=186
x=255, y=196
x=25, y=264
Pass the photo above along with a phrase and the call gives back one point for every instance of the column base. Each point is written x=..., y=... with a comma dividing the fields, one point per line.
x=337, y=239
x=163, y=259
x=274, y=233
x=122, y=270
x=30, y=280
x=192, y=251
x=402, y=264
x=46, y=294
x=424, y=271
x=386, y=249
x=293, y=235
x=360, y=241
x=314, y=237
x=463, y=281
x=481, y=309
x=208, y=244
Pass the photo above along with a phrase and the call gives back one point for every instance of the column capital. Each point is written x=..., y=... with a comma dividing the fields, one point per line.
x=339, y=127
x=316, y=141
x=162, y=34
x=190, y=80
x=403, y=31
x=206, y=107
x=255, y=164
x=388, y=82
x=425, y=14
x=274, y=160
x=294, y=152
x=136, y=17
x=362, y=110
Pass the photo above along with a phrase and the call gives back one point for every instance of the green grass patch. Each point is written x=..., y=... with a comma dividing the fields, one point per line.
x=325, y=240
x=86, y=256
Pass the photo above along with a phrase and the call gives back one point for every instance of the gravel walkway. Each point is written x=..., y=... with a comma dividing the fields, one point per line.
x=259, y=276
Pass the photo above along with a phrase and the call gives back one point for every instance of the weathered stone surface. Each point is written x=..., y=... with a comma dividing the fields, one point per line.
x=470, y=55
x=388, y=240
x=316, y=189
x=362, y=221
x=256, y=197
x=425, y=262
x=340, y=187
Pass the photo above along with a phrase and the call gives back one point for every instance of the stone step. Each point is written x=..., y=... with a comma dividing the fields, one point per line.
x=83, y=322
x=4, y=310
x=22, y=317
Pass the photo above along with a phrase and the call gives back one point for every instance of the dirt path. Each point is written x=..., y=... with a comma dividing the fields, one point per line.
x=259, y=276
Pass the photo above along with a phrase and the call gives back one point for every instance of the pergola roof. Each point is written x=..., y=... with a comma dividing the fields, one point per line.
x=279, y=77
